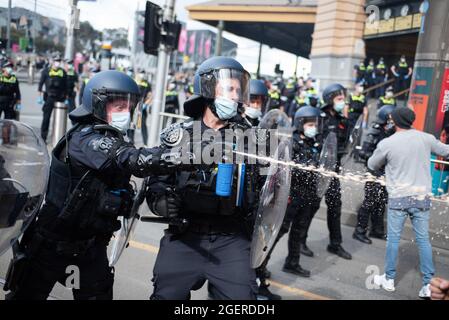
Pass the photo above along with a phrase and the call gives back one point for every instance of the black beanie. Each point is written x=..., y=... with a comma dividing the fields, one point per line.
x=403, y=117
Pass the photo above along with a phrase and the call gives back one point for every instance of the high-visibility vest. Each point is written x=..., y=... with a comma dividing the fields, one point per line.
x=56, y=73
x=11, y=79
x=389, y=101
x=142, y=83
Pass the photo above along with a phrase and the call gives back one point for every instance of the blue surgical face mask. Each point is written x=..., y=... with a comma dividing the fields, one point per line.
x=225, y=108
x=121, y=120
x=310, y=132
x=253, y=113
x=339, y=106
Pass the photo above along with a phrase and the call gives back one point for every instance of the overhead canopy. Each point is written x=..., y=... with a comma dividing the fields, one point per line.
x=278, y=24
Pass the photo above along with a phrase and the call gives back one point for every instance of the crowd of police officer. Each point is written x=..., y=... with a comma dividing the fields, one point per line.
x=372, y=75
x=210, y=229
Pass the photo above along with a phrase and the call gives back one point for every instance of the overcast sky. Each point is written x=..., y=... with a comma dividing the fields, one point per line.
x=119, y=13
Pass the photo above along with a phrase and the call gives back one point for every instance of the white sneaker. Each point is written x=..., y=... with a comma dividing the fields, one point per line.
x=382, y=281
x=425, y=292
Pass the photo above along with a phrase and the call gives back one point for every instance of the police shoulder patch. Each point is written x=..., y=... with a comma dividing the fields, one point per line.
x=172, y=135
x=102, y=144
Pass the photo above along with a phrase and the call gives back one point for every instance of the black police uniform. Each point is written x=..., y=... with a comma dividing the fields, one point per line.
x=9, y=95
x=386, y=101
x=216, y=244
x=380, y=72
x=72, y=80
x=360, y=72
x=303, y=202
x=376, y=195
x=55, y=91
x=88, y=189
x=274, y=100
x=297, y=103
x=356, y=106
x=144, y=89
x=340, y=125
x=401, y=83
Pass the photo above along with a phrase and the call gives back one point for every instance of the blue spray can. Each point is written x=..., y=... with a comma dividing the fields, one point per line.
x=223, y=186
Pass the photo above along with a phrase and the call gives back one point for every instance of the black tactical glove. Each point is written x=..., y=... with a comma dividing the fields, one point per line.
x=167, y=204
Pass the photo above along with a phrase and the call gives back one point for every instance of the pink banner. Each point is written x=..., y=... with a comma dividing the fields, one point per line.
x=182, y=40
x=192, y=43
x=207, y=47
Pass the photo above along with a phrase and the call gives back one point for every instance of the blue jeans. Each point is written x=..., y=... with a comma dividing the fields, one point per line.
x=395, y=225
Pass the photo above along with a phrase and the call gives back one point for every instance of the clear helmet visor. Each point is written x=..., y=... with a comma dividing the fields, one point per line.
x=24, y=170
x=226, y=83
x=115, y=108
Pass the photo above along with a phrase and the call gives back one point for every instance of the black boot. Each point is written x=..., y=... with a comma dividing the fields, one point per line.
x=339, y=251
x=360, y=234
x=378, y=235
x=304, y=249
x=265, y=294
x=292, y=266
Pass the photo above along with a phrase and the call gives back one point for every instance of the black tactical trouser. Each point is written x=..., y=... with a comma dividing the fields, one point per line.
x=7, y=108
x=48, y=109
x=400, y=84
x=373, y=205
x=298, y=218
x=47, y=266
x=185, y=261
x=333, y=202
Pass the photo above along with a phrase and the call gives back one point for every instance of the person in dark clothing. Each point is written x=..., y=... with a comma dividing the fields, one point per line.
x=9, y=92
x=402, y=72
x=89, y=189
x=304, y=200
x=55, y=80
x=72, y=85
x=334, y=104
x=215, y=243
x=376, y=196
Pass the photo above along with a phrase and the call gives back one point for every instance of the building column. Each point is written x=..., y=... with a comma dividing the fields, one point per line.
x=337, y=43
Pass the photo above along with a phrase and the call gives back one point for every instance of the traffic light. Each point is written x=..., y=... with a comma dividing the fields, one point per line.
x=152, y=29
x=156, y=30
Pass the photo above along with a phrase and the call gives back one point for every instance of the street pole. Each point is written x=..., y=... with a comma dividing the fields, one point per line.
x=134, y=43
x=70, y=41
x=259, y=60
x=8, y=29
x=219, y=39
x=163, y=61
x=34, y=26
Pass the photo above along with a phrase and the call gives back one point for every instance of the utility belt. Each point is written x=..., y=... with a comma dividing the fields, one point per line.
x=65, y=248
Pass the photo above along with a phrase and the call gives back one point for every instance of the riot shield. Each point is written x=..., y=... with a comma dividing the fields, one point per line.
x=354, y=142
x=123, y=236
x=24, y=171
x=275, y=191
x=328, y=163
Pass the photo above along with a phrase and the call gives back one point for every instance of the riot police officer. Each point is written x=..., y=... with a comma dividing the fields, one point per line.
x=402, y=72
x=357, y=106
x=298, y=102
x=360, y=70
x=274, y=101
x=376, y=196
x=334, y=104
x=215, y=244
x=9, y=92
x=257, y=102
x=145, y=97
x=55, y=80
x=304, y=200
x=387, y=99
x=72, y=85
x=89, y=188
x=380, y=72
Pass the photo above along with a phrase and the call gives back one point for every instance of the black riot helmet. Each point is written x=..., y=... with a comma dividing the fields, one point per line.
x=306, y=114
x=330, y=92
x=384, y=113
x=106, y=90
x=218, y=77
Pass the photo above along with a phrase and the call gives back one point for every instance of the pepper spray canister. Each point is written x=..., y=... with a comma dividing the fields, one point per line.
x=223, y=186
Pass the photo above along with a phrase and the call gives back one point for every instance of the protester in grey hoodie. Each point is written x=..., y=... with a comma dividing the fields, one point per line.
x=406, y=157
